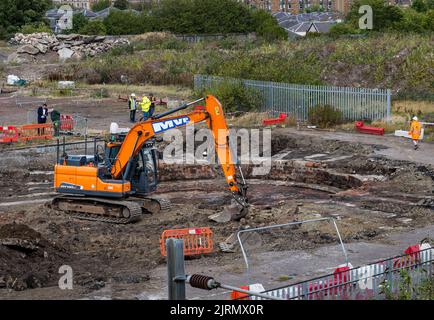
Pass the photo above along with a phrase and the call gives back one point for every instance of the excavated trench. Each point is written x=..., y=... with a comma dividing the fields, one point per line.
x=309, y=178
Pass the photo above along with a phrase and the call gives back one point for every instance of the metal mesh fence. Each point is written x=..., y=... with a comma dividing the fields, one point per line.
x=295, y=99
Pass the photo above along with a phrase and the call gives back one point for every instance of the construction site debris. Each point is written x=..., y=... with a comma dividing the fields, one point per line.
x=67, y=46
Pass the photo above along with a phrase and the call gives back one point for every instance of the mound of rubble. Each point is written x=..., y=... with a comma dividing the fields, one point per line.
x=67, y=46
x=27, y=260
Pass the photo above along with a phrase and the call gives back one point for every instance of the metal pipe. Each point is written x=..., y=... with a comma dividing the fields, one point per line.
x=283, y=225
x=340, y=240
x=85, y=145
x=181, y=107
x=57, y=151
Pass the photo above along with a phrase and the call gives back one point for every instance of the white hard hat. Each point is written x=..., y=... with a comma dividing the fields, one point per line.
x=133, y=94
x=415, y=118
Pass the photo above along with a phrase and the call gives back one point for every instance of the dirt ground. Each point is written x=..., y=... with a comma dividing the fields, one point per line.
x=369, y=184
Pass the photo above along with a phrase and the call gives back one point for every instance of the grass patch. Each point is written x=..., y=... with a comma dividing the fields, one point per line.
x=411, y=108
x=248, y=120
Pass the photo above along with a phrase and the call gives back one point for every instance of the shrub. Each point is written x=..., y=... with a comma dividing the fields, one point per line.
x=34, y=28
x=342, y=29
x=234, y=96
x=121, y=4
x=100, y=5
x=325, y=116
x=122, y=50
x=267, y=27
x=121, y=23
x=95, y=27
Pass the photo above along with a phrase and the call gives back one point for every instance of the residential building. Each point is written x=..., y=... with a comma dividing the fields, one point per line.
x=298, y=25
x=76, y=4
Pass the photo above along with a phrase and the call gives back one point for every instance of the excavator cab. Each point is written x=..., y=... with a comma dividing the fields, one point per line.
x=143, y=170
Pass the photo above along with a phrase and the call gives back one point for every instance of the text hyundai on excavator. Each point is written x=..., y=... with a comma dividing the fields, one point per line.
x=114, y=185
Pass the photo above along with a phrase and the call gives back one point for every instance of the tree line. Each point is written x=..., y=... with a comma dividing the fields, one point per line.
x=176, y=16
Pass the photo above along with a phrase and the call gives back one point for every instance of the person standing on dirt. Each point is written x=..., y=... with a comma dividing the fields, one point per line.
x=132, y=106
x=153, y=103
x=415, y=131
x=42, y=114
x=42, y=117
x=145, y=106
x=55, y=119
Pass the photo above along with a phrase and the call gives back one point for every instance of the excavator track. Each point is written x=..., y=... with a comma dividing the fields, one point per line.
x=96, y=209
x=102, y=209
x=155, y=205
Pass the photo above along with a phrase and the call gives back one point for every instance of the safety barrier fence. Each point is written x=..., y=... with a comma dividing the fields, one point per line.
x=72, y=124
x=196, y=240
x=31, y=132
x=379, y=280
x=298, y=100
x=8, y=134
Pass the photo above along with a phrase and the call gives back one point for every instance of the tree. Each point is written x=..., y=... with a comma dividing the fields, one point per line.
x=101, y=5
x=16, y=13
x=419, y=5
x=384, y=16
x=78, y=22
x=121, y=4
x=267, y=27
x=202, y=16
x=95, y=27
x=123, y=22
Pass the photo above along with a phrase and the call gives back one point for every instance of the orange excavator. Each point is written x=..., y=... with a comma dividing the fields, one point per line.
x=114, y=185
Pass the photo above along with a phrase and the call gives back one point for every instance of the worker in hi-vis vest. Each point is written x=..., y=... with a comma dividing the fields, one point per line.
x=132, y=106
x=415, y=131
x=145, y=106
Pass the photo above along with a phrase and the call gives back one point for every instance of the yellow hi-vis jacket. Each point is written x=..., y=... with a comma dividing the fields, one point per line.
x=132, y=103
x=145, y=104
x=415, y=130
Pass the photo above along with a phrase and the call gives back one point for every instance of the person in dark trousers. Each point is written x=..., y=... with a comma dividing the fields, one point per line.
x=42, y=114
x=55, y=119
x=42, y=117
x=153, y=102
x=132, y=106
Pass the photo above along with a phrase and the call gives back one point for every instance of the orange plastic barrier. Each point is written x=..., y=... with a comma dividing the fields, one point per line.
x=30, y=132
x=196, y=240
x=66, y=122
x=236, y=295
x=280, y=119
x=8, y=134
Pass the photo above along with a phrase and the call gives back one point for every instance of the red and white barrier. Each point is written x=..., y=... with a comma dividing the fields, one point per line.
x=8, y=134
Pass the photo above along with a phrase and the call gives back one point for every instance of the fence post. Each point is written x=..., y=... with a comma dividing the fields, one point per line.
x=388, y=104
x=175, y=269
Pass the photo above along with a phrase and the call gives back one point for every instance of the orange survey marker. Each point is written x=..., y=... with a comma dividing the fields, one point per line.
x=196, y=240
x=8, y=134
x=30, y=132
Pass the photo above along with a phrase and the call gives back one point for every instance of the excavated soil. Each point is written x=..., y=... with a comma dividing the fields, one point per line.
x=370, y=196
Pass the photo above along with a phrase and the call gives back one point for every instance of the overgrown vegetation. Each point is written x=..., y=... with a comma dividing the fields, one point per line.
x=390, y=18
x=325, y=116
x=401, y=62
x=409, y=291
x=235, y=97
x=15, y=14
